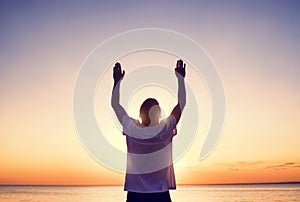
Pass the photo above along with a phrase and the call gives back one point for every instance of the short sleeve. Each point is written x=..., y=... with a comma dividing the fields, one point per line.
x=130, y=126
x=170, y=122
x=125, y=121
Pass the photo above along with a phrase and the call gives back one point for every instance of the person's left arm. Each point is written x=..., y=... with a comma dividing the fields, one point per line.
x=118, y=75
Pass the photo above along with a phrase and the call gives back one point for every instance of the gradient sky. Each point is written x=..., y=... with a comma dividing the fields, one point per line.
x=255, y=45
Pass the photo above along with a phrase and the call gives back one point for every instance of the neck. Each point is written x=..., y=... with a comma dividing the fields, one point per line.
x=153, y=123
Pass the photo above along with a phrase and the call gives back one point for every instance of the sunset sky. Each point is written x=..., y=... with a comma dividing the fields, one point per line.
x=254, y=44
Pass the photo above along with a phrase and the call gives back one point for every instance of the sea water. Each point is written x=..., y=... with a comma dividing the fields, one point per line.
x=208, y=193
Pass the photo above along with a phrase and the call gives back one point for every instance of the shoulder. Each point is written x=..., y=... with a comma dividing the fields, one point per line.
x=130, y=126
x=170, y=121
x=127, y=120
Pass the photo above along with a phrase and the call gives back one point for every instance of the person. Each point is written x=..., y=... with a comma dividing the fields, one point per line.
x=149, y=171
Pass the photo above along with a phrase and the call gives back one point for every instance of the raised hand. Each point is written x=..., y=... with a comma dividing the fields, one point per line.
x=180, y=69
x=118, y=74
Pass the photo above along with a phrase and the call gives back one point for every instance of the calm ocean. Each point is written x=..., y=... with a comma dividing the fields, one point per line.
x=209, y=193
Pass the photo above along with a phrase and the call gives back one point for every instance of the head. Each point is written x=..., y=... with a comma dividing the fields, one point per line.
x=150, y=112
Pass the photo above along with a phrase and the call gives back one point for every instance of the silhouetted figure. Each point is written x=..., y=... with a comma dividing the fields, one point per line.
x=149, y=172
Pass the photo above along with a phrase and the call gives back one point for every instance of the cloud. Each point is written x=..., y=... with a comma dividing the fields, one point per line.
x=242, y=165
x=247, y=163
x=239, y=165
x=234, y=169
x=284, y=166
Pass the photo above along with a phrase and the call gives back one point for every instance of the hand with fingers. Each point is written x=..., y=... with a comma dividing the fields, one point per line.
x=118, y=74
x=180, y=69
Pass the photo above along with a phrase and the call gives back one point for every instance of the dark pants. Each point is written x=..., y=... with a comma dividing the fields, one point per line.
x=148, y=197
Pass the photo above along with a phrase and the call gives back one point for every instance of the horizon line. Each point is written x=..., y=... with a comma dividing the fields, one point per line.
x=107, y=185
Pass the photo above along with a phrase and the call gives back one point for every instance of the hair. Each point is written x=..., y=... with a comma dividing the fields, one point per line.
x=145, y=108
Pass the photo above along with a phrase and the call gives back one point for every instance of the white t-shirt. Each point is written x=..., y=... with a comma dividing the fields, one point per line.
x=149, y=155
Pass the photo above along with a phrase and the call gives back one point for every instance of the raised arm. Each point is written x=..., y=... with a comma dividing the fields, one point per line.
x=180, y=74
x=118, y=75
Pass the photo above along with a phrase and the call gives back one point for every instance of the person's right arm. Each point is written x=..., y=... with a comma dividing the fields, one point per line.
x=180, y=74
